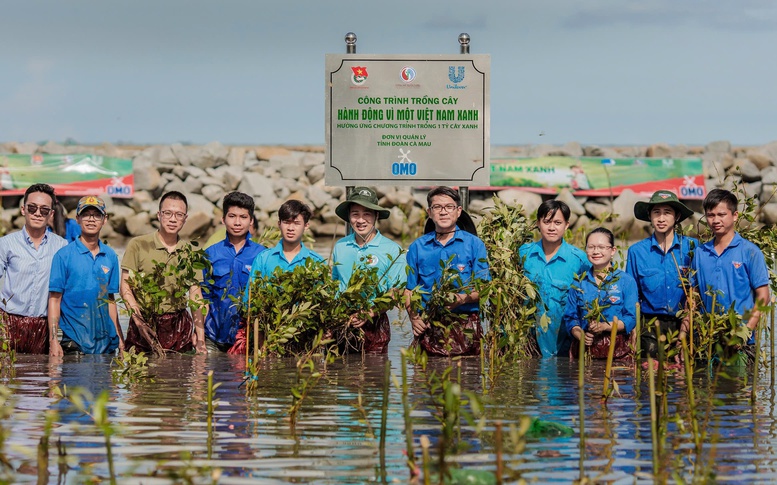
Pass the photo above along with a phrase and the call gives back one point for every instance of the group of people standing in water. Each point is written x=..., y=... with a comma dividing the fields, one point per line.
x=50, y=285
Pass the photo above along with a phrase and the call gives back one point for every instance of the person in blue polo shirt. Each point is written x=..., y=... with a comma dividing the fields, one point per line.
x=84, y=278
x=290, y=252
x=367, y=248
x=605, y=297
x=231, y=260
x=729, y=266
x=659, y=264
x=552, y=264
x=460, y=334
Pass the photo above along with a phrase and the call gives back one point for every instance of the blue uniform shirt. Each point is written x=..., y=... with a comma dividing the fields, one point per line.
x=230, y=273
x=380, y=252
x=86, y=282
x=469, y=258
x=733, y=275
x=553, y=279
x=265, y=263
x=617, y=298
x=658, y=274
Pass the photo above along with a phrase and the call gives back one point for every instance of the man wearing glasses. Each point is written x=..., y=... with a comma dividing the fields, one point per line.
x=176, y=329
x=25, y=265
x=458, y=331
x=84, y=278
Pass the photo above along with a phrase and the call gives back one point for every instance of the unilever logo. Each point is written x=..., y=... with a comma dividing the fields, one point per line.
x=454, y=76
x=407, y=74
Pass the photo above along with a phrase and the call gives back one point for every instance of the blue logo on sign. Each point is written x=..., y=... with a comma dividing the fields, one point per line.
x=453, y=76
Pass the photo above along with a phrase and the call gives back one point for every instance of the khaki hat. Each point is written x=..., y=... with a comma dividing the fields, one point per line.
x=662, y=197
x=364, y=196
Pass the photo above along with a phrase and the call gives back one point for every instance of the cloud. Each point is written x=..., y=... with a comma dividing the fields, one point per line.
x=741, y=15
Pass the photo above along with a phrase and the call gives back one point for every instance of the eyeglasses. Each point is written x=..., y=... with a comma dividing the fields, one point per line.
x=95, y=216
x=447, y=207
x=44, y=211
x=600, y=249
x=170, y=214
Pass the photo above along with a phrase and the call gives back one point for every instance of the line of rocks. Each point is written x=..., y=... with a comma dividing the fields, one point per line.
x=273, y=174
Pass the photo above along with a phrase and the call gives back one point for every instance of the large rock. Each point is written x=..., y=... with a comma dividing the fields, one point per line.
x=139, y=224
x=198, y=203
x=659, y=150
x=146, y=176
x=317, y=196
x=236, y=157
x=529, y=201
x=256, y=185
x=575, y=206
x=118, y=215
x=266, y=153
x=25, y=148
x=316, y=173
x=597, y=210
x=623, y=206
x=769, y=213
x=747, y=170
x=197, y=224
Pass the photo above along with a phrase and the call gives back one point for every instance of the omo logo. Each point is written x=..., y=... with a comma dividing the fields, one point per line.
x=404, y=166
x=690, y=188
x=454, y=76
x=118, y=187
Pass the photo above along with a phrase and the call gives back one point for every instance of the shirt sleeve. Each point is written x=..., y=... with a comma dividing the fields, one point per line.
x=412, y=267
x=130, y=260
x=3, y=257
x=572, y=311
x=58, y=276
x=759, y=273
x=115, y=277
x=629, y=313
x=480, y=265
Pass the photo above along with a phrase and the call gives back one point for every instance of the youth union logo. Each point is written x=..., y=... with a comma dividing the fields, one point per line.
x=454, y=76
x=359, y=75
x=407, y=74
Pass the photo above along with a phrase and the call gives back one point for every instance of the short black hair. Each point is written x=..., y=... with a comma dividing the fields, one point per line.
x=290, y=209
x=548, y=209
x=602, y=230
x=716, y=196
x=174, y=195
x=238, y=199
x=45, y=188
x=442, y=190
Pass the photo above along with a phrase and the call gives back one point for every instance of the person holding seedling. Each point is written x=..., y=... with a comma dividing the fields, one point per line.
x=84, y=280
x=444, y=265
x=729, y=271
x=600, y=300
x=159, y=263
x=552, y=264
x=660, y=265
x=230, y=260
x=367, y=248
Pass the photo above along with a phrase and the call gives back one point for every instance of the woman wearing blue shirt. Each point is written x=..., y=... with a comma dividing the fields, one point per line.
x=604, y=297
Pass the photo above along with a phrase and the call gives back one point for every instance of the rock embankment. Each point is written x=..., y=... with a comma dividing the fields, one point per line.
x=273, y=174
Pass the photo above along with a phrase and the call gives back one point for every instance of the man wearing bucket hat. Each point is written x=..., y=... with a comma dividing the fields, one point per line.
x=84, y=277
x=367, y=248
x=461, y=251
x=659, y=264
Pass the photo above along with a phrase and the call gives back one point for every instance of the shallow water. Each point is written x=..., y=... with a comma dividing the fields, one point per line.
x=161, y=424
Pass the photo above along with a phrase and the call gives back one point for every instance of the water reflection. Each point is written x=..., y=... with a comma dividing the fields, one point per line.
x=161, y=421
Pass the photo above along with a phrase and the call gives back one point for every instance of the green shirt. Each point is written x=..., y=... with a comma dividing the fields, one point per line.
x=141, y=255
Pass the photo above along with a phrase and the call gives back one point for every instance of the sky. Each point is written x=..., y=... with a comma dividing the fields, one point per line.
x=606, y=72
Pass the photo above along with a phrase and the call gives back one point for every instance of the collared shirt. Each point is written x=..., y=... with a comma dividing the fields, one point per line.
x=380, y=252
x=269, y=259
x=470, y=259
x=25, y=271
x=553, y=279
x=658, y=274
x=617, y=297
x=85, y=282
x=229, y=279
x=733, y=275
x=141, y=255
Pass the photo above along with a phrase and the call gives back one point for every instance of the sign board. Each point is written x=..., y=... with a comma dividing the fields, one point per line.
x=597, y=177
x=76, y=175
x=407, y=119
